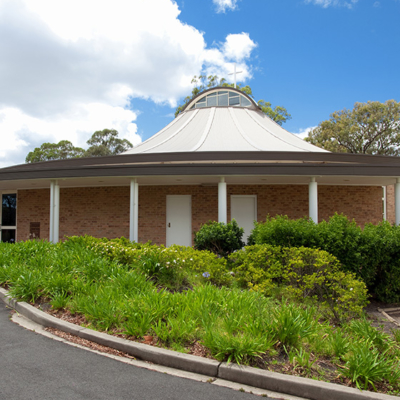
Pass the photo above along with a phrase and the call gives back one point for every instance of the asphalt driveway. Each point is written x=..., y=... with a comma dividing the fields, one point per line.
x=36, y=367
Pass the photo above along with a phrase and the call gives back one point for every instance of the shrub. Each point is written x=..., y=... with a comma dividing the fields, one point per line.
x=372, y=254
x=306, y=273
x=219, y=238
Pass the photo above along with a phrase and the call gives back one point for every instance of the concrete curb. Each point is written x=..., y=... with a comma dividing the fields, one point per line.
x=293, y=385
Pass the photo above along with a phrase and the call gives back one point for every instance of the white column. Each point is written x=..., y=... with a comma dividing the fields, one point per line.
x=56, y=226
x=134, y=211
x=384, y=203
x=313, y=200
x=222, y=202
x=397, y=201
x=51, y=230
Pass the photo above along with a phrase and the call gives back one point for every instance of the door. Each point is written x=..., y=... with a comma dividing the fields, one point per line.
x=8, y=217
x=179, y=220
x=244, y=211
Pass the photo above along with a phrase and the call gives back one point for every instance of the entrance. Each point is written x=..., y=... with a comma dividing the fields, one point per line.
x=244, y=211
x=8, y=217
x=179, y=220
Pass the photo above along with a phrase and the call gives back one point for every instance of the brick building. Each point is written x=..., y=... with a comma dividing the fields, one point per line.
x=222, y=158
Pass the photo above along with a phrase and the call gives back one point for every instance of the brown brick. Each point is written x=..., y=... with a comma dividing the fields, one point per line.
x=104, y=211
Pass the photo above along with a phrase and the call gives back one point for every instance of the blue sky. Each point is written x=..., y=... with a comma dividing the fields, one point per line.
x=71, y=67
x=312, y=58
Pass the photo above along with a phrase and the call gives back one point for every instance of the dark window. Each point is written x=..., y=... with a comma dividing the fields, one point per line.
x=8, y=235
x=9, y=210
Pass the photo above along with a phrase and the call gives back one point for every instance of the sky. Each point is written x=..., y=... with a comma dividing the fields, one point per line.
x=70, y=68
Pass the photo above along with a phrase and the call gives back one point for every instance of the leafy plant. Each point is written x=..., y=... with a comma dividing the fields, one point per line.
x=292, y=324
x=219, y=238
x=367, y=366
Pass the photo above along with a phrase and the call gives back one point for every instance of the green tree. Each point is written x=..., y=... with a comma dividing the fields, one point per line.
x=102, y=143
x=369, y=128
x=54, y=151
x=106, y=143
x=279, y=114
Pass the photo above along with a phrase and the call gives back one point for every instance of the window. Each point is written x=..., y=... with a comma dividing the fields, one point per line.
x=8, y=217
x=222, y=98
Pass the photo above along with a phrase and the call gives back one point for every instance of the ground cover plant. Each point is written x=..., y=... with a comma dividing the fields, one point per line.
x=185, y=299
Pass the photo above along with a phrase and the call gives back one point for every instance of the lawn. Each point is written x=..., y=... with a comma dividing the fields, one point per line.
x=274, y=318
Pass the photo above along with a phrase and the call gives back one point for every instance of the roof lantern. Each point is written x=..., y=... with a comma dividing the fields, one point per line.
x=221, y=97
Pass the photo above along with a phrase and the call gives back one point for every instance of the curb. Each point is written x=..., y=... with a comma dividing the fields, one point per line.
x=288, y=384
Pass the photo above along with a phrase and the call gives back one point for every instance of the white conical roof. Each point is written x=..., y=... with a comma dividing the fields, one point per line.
x=223, y=128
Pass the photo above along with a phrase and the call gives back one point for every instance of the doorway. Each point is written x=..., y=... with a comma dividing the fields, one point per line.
x=179, y=220
x=244, y=211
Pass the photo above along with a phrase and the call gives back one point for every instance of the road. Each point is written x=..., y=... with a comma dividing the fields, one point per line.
x=36, y=367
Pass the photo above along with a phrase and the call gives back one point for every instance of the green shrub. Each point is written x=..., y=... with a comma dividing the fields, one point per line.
x=372, y=253
x=304, y=273
x=219, y=238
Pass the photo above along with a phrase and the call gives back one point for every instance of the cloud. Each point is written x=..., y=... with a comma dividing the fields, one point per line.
x=223, y=5
x=332, y=3
x=237, y=49
x=69, y=67
x=21, y=133
x=303, y=133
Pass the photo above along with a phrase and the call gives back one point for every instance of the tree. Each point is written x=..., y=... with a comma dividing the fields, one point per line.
x=279, y=114
x=102, y=143
x=54, y=151
x=369, y=128
x=106, y=143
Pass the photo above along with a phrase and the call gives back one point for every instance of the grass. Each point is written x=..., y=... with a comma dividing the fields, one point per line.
x=180, y=307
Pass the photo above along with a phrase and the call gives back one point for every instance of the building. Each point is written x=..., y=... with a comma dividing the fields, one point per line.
x=222, y=158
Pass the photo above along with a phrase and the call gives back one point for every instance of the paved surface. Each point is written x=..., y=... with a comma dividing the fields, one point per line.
x=35, y=367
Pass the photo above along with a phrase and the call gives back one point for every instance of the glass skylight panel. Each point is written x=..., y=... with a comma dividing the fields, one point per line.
x=234, y=101
x=222, y=98
x=201, y=103
x=211, y=100
x=245, y=102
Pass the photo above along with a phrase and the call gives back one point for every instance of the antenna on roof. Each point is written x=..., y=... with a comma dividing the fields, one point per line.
x=234, y=74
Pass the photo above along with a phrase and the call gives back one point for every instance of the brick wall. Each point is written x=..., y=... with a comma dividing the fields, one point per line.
x=104, y=211
x=363, y=203
x=33, y=206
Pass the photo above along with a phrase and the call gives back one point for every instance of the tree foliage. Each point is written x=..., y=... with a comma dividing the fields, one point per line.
x=201, y=83
x=106, y=143
x=369, y=128
x=102, y=143
x=54, y=151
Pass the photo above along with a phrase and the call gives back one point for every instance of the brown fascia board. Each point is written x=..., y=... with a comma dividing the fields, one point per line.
x=207, y=156
x=207, y=163
x=211, y=169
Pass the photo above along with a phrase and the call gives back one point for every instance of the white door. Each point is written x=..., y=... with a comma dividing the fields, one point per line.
x=244, y=211
x=179, y=220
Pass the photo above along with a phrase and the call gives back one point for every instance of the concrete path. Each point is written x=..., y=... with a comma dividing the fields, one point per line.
x=36, y=367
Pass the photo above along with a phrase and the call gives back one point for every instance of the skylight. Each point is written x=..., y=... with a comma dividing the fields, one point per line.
x=222, y=98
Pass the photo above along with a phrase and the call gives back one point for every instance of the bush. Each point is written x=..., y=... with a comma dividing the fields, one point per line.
x=304, y=273
x=219, y=238
x=372, y=254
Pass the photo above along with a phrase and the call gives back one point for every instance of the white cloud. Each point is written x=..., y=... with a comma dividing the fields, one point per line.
x=303, y=133
x=223, y=5
x=334, y=3
x=236, y=48
x=69, y=67
x=21, y=133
